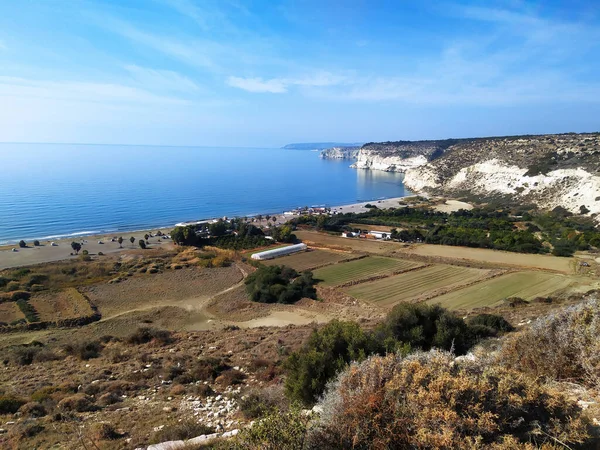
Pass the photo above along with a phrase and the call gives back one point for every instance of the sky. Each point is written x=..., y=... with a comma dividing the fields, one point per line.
x=265, y=73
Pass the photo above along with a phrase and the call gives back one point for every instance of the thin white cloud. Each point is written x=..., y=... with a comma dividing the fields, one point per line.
x=273, y=86
x=282, y=85
x=162, y=80
x=110, y=93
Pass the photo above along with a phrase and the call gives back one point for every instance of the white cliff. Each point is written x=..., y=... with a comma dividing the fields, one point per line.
x=368, y=159
x=339, y=153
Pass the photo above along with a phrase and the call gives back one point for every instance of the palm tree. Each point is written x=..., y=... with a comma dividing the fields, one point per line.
x=120, y=241
x=76, y=246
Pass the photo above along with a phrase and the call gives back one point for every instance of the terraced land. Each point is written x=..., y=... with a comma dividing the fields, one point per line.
x=310, y=259
x=415, y=284
x=66, y=304
x=9, y=312
x=362, y=269
x=527, y=285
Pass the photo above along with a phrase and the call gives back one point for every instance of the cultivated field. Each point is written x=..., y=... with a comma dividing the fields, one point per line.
x=9, y=312
x=66, y=304
x=415, y=284
x=310, y=259
x=362, y=269
x=526, y=285
x=546, y=262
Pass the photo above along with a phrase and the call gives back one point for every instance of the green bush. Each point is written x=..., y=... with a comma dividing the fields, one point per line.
x=497, y=323
x=22, y=244
x=276, y=431
x=29, y=311
x=36, y=243
x=280, y=284
x=13, y=286
x=423, y=326
x=326, y=353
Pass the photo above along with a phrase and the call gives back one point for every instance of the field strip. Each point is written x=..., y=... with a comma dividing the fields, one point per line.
x=415, y=284
x=381, y=276
x=527, y=285
x=372, y=267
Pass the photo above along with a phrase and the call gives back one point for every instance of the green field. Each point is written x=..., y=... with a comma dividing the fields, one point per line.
x=526, y=285
x=362, y=269
x=309, y=260
x=414, y=284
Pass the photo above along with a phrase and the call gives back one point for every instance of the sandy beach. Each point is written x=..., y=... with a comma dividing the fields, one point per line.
x=62, y=250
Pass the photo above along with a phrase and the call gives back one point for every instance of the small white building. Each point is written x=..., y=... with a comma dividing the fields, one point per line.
x=380, y=234
x=270, y=254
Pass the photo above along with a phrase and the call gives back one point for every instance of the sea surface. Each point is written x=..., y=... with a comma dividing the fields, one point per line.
x=49, y=191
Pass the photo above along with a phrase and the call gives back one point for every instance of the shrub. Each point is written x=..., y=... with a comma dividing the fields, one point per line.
x=428, y=400
x=497, y=323
x=4, y=281
x=562, y=346
x=109, y=398
x=22, y=244
x=230, y=377
x=20, y=295
x=36, y=243
x=23, y=355
x=142, y=244
x=9, y=404
x=105, y=432
x=33, y=409
x=29, y=311
x=85, y=252
x=13, y=286
x=278, y=430
x=423, y=326
x=208, y=369
x=260, y=402
x=76, y=403
x=279, y=284
x=37, y=278
x=84, y=350
x=181, y=431
x=326, y=353
x=145, y=335
x=43, y=394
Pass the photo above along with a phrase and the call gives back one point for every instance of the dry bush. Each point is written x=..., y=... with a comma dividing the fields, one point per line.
x=25, y=429
x=146, y=335
x=10, y=404
x=201, y=390
x=84, y=350
x=562, y=346
x=181, y=431
x=428, y=400
x=230, y=377
x=208, y=369
x=258, y=402
x=33, y=409
x=76, y=403
x=177, y=389
x=109, y=399
x=105, y=432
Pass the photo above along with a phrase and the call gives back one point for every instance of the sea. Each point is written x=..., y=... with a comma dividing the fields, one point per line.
x=53, y=191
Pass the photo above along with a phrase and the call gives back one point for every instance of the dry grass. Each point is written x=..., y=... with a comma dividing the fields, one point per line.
x=10, y=312
x=66, y=304
x=430, y=401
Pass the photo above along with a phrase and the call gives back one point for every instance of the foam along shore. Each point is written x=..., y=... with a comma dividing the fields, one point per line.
x=62, y=250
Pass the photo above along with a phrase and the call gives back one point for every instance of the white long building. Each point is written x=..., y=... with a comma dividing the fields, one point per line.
x=270, y=254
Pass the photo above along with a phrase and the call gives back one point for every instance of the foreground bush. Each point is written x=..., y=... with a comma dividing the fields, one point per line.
x=326, y=353
x=145, y=335
x=427, y=400
x=562, y=346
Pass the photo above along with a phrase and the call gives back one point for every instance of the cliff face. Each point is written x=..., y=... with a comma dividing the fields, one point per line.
x=340, y=153
x=399, y=156
x=549, y=171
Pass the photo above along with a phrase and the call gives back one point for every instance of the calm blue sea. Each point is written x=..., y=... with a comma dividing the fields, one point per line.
x=56, y=190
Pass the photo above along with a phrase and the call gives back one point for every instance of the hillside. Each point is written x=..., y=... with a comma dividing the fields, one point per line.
x=548, y=170
x=340, y=153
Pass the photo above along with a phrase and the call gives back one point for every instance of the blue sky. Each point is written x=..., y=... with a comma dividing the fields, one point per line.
x=265, y=73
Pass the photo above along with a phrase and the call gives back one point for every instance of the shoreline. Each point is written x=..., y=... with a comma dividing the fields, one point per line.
x=45, y=253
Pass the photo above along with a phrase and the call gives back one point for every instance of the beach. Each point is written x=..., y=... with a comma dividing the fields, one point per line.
x=62, y=250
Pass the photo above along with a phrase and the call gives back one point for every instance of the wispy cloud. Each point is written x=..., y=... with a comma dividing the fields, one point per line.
x=82, y=92
x=282, y=85
x=162, y=80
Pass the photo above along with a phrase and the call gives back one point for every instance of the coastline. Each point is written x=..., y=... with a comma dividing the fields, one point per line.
x=62, y=251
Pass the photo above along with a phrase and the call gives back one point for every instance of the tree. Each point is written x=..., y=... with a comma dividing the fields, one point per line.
x=76, y=246
x=120, y=241
x=22, y=244
x=259, y=217
x=146, y=236
x=268, y=217
x=132, y=240
x=36, y=243
x=142, y=244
